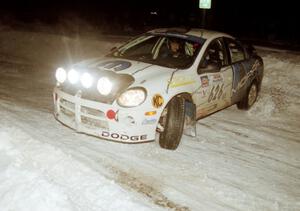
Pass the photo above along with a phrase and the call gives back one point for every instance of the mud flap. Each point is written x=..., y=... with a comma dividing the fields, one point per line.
x=189, y=128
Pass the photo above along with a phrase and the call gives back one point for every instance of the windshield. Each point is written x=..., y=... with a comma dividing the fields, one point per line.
x=174, y=51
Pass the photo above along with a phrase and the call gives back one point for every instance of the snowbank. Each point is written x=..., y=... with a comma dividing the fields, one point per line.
x=280, y=94
x=37, y=176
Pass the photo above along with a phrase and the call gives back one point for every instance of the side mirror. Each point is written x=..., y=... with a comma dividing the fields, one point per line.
x=210, y=67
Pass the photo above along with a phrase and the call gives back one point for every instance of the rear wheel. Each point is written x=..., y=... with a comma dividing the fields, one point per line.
x=171, y=124
x=250, y=98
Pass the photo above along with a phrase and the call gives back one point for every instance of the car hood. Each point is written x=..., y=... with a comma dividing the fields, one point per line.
x=136, y=69
x=121, y=72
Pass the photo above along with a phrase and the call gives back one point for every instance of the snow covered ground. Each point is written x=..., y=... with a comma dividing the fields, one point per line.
x=238, y=161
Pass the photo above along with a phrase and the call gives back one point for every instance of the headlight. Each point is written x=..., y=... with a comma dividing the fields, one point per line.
x=86, y=80
x=73, y=76
x=61, y=75
x=104, y=86
x=132, y=97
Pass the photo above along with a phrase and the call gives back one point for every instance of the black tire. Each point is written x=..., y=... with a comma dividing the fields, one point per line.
x=173, y=125
x=248, y=100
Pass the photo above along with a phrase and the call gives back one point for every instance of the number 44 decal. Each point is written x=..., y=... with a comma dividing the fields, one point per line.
x=216, y=93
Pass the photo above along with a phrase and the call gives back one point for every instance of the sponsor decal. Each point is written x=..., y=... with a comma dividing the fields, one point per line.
x=157, y=101
x=122, y=137
x=217, y=77
x=149, y=121
x=181, y=81
x=216, y=92
x=117, y=65
x=150, y=113
x=204, y=81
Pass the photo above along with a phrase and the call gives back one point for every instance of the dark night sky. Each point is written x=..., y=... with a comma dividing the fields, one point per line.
x=256, y=19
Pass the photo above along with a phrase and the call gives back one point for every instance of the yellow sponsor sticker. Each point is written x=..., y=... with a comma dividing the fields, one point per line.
x=157, y=101
x=181, y=80
x=183, y=83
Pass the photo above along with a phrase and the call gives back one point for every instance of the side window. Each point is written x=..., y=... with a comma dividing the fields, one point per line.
x=236, y=51
x=215, y=53
x=186, y=47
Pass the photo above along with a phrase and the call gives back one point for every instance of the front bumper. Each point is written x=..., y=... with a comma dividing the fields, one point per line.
x=86, y=116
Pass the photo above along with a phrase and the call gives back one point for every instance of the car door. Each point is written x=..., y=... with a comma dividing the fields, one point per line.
x=237, y=59
x=215, y=79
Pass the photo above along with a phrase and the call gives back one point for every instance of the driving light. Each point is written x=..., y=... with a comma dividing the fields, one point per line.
x=86, y=80
x=104, y=86
x=132, y=97
x=73, y=76
x=61, y=75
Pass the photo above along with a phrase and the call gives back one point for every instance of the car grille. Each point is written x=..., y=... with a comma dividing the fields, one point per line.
x=67, y=104
x=68, y=113
x=91, y=111
x=90, y=118
x=94, y=123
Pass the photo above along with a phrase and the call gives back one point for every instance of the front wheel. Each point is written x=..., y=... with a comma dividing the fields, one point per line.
x=171, y=124
x=250, y=98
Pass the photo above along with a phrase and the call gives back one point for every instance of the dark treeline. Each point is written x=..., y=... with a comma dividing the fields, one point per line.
x=257, y=20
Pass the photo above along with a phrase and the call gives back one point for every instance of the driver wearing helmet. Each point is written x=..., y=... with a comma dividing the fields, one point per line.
x=176, y=51
x=175, y=48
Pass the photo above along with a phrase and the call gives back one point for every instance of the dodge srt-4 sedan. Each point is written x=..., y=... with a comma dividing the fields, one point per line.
x=157, y=85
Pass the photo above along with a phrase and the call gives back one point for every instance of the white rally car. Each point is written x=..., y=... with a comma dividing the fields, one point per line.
x=160, y=82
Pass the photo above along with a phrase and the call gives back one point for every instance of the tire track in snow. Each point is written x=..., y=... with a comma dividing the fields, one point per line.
x=154, y=195
x=131, y=182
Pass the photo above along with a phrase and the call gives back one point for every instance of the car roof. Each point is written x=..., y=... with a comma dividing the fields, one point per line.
x=198, y=32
